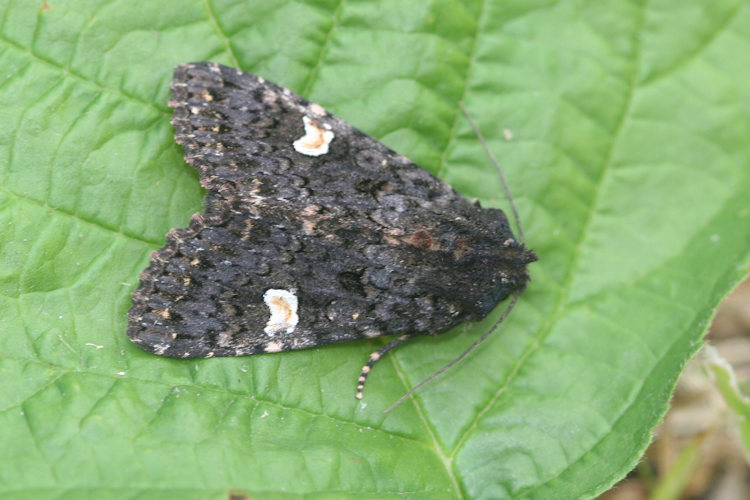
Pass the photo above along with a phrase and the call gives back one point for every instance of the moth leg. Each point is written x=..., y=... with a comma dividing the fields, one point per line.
x=374, y=357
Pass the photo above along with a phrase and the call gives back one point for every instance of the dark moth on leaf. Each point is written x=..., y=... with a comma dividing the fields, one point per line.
x=312, y=233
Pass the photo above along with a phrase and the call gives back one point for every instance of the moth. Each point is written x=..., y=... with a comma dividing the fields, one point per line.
x=312, y=233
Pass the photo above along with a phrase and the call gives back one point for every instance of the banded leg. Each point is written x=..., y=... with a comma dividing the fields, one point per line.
x=374, y=357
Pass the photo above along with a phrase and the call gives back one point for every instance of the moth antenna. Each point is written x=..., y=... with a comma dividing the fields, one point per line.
x=460, y=357
x=374, y=357
x=499, y=171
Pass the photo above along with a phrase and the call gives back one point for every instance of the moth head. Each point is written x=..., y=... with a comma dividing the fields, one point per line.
x=492, y=265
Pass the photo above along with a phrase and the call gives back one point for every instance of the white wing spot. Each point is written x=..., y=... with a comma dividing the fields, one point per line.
x=317, y=109
x=316, y=139
x=225, y=339
x=283, y=307
x=273, y=347
x=160, y=348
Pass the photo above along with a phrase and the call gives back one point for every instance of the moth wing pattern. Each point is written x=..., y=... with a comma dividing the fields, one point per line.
x=312, y=233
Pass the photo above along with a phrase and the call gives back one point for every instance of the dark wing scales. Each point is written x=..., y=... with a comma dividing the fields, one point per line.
x=312, y=233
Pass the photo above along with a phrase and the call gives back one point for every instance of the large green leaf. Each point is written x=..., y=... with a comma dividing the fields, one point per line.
x=624, y=130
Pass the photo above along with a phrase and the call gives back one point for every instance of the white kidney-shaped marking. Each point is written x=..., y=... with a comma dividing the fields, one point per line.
x=283, y=307
x=317, y=137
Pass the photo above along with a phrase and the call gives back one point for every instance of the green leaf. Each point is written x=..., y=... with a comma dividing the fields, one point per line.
x=622, y=127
